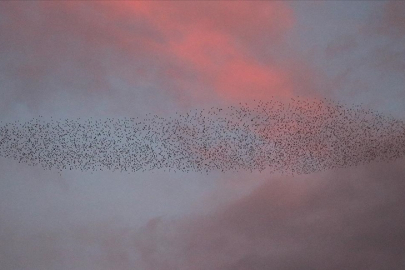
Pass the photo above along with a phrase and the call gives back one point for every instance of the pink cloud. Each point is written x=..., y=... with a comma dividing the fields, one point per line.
x=185, y=52
x=213, y=40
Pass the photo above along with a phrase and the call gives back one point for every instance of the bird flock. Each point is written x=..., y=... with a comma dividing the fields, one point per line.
x=298, y=137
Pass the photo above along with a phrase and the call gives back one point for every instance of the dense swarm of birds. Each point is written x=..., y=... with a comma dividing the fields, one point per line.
x=298, y=137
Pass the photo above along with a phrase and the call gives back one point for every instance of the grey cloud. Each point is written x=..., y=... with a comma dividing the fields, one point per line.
x=347, y=219
x=339, y=46
x=350, y=218
x=367, y=63
x=73, y=58
x=390, y=20
x=389, y=23
x=84, y=221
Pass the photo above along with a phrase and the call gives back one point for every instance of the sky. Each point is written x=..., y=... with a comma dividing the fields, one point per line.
x=127, y=59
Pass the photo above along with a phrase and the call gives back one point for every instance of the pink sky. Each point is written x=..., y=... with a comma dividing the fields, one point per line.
x=126, y=59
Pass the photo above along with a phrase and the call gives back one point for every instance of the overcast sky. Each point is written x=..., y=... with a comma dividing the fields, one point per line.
x=126, y=59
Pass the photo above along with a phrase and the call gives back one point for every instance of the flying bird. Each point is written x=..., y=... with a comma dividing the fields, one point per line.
x=300, y=137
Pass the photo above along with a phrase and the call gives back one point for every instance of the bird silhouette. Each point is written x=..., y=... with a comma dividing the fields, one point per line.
x=295, y=137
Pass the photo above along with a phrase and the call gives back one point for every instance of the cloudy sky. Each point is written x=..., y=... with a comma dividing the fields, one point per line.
x=126, y=59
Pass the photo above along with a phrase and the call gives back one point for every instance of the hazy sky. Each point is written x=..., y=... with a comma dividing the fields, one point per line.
x=126, y=59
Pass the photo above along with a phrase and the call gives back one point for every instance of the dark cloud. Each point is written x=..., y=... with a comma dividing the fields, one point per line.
x=347, y=219
x=390, y=20
x=343, y=219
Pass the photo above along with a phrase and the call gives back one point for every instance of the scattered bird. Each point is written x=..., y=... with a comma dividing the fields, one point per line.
x=300, y=137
